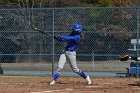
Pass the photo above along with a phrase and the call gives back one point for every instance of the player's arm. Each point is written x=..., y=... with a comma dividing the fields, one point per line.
x=126, y=57
x=57, y=38
x=134, y=58
x=65, y=38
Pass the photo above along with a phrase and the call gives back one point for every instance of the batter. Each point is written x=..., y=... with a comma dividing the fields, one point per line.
x=73, y=40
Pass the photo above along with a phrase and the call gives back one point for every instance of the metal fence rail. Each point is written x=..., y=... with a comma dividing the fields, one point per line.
x=108, y=33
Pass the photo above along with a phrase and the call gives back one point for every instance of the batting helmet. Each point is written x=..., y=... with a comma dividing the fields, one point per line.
x=77, y=27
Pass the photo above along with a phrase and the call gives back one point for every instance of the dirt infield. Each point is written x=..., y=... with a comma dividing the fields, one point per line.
x=28, y=84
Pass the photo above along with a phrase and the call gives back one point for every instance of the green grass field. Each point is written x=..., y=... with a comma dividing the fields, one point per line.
x=112, y=66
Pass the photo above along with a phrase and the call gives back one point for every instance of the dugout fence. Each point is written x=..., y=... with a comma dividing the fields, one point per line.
x=108, y=33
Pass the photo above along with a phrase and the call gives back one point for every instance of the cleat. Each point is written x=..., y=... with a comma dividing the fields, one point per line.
x=53, y=82
x=88, y=80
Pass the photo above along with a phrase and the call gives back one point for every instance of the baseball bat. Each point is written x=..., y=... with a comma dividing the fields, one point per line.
x=41, y=31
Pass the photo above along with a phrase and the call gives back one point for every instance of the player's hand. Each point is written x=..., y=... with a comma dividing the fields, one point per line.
x=56, y=37
x=124, y=58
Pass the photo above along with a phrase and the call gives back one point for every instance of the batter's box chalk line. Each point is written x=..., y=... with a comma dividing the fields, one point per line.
x=93, y=86
x=49, y=91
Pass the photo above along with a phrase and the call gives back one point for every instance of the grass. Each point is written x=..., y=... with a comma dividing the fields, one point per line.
x=113, y=66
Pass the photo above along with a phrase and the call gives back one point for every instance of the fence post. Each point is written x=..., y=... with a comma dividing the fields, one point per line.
x=137, y=45
x=53, y=45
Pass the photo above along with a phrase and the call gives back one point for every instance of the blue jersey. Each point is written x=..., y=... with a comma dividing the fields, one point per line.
x=72, y=42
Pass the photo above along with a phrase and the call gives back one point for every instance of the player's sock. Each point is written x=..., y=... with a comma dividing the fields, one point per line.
x=57, y=74
x=82, y=74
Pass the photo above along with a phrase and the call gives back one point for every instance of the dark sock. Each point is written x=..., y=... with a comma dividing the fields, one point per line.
x=57, y=74
x=82, y=74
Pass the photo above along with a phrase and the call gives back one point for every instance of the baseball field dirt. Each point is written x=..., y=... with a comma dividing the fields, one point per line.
x=34, y=84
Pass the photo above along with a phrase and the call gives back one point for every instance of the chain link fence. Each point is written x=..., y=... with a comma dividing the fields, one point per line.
x=108, y=33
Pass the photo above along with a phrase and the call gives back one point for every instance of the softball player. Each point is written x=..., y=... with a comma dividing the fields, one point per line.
x=73, y=40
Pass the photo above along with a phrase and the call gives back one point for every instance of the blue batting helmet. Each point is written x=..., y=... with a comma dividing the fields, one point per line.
x=77, y=27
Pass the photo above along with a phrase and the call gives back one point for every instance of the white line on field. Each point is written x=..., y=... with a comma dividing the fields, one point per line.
x=68, y=89
x=107, y=83
x=4, y=83
x=136, y=88
x=93, y=86
x=49, y=91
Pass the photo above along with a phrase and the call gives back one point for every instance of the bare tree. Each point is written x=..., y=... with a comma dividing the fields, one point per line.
x=122, y=2
x=23, y=3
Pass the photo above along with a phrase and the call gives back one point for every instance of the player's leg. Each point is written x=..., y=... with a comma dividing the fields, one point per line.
x=71, y=56
x=57, y=73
